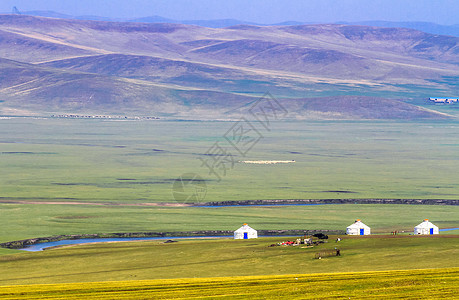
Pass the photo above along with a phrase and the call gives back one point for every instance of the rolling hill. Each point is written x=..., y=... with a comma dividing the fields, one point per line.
x=53, y=65
x=221, y=23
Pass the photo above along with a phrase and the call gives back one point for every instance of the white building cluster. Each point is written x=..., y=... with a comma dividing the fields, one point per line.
x=444, y=100
x=357, y=228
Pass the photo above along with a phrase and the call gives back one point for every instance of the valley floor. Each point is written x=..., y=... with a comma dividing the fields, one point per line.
x=133, y=162
x=129, y=168
x=202, y=258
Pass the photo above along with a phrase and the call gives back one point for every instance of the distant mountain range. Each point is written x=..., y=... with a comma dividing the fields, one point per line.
x=334, y=71
x=222, y=23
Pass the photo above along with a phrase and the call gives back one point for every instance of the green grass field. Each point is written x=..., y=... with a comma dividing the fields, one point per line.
x=21, y=221
x=414, y=284
x=222, y=258
x=137, y=161
x=57, y=160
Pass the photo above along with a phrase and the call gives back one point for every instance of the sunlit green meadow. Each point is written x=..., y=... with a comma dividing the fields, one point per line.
x=224, y=257
x=138, y=161
x=21, y=221
x=67, y=165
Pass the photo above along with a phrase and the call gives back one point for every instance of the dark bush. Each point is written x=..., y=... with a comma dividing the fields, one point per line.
x=321, y=236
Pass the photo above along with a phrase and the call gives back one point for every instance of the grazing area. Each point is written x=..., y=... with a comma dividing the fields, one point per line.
x=132, y=150
x=412, y=284
x=25, y=221
x=73, y=176
x=62, y=160
x=225, y=257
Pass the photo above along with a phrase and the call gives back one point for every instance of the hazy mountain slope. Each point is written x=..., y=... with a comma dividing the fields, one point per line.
x=27, y=49
x=354, y=107
x=304, y=60
x=137, y=66
x=32, y=87
x=422, y=26
x=173, y=40
x=178, y=72
x=60, y=65
x=395, y=41
x=29, y=87
x=106, y=37
x=319, y=51
x=62, y=93
x=221, y=23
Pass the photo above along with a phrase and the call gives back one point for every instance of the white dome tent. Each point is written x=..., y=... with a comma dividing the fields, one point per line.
x=245, y=232
x=358, y=228
x=426, y=228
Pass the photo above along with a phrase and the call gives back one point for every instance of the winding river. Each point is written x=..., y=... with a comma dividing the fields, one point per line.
x=43, y=246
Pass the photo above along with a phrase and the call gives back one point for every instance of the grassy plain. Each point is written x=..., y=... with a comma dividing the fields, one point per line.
x=413, y=284
x=222, y=258
x=138, y=161
x=130, y=162
x=21, y=221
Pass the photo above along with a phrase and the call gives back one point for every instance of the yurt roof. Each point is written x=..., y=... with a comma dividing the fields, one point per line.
x=245, y=227
x=425, y=224
x=358, y=224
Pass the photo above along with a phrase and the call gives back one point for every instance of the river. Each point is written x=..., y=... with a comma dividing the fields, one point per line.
x=43, y=246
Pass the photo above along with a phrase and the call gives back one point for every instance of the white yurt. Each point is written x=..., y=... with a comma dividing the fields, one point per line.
x=358, y=228
x=426, y=228
x=245, y=232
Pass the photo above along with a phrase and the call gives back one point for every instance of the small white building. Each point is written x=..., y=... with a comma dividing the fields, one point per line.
x=358, y=228
x=444, y=100
x=245, y=232
x=426, y=228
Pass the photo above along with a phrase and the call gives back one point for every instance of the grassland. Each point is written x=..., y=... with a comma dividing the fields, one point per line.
x=222, y=258
x=120, y=164
x=137, y=162
x=414, y=284
x=21, y=221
